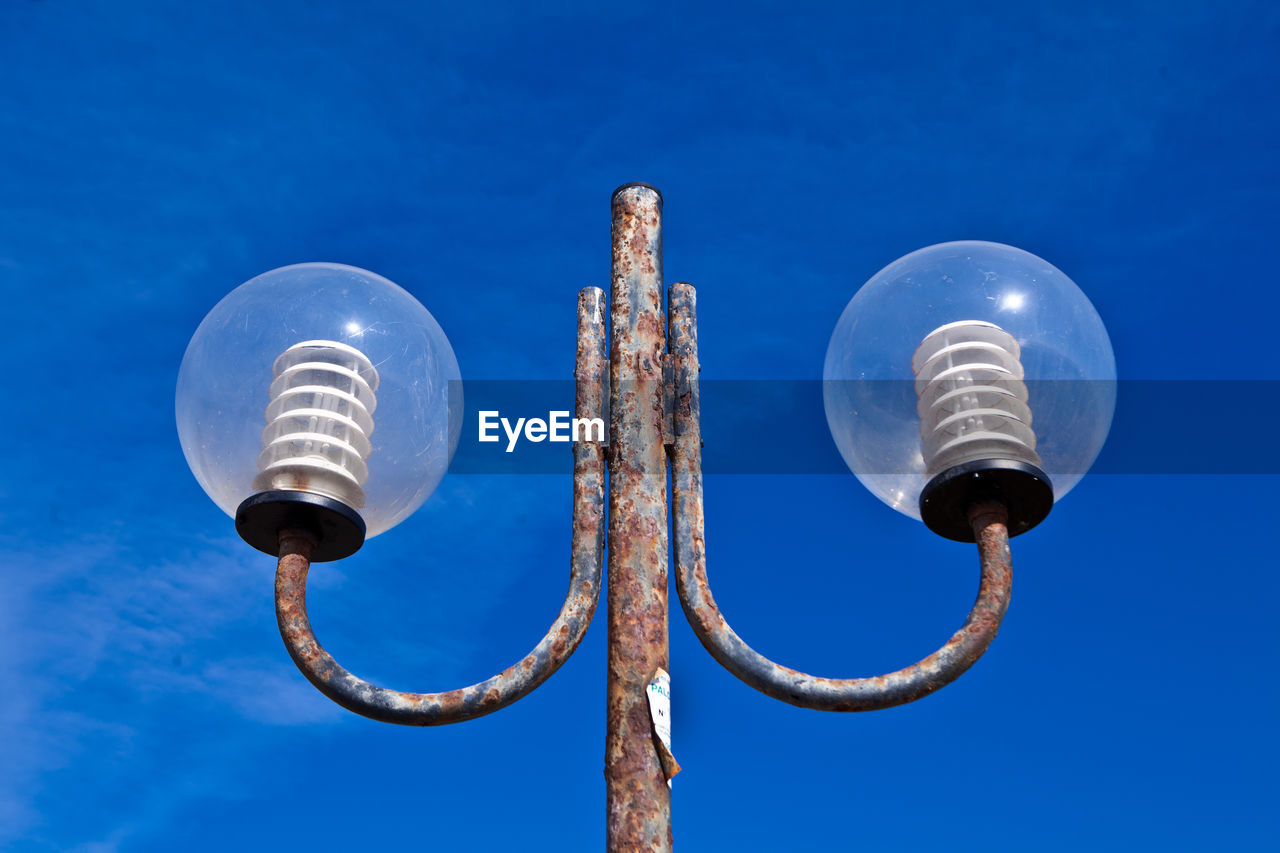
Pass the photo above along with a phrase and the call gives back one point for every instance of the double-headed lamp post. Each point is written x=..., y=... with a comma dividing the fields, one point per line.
x=968, y=384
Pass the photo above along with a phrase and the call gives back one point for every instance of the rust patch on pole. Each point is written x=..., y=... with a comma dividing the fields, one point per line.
x=561, y=639
x=638, y=798
x=825, y=694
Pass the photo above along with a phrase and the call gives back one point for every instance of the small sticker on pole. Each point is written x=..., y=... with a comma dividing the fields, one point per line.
x=659, y=692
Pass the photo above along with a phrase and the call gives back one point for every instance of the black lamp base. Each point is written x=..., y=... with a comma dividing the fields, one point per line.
x=339, y=529
x=1024, y=490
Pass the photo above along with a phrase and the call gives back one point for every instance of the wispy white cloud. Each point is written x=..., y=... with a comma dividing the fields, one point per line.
x=102, y=645
x=120, y=645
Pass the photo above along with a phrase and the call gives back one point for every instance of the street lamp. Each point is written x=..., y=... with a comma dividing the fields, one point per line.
x=932, y=379
x=362, y=401
x=969, y=370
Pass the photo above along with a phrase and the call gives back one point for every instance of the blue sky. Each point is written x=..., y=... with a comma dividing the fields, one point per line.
x=155, y=155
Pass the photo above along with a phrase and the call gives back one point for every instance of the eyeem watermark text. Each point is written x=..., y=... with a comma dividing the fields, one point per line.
x=557, y=427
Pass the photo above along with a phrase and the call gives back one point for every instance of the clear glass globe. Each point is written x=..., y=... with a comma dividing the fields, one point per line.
x=323, y=378
x=947, y=307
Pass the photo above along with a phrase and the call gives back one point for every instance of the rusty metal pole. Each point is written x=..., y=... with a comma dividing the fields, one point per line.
x=638, y=798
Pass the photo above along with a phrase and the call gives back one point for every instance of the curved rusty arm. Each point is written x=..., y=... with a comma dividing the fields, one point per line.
x=560, y=641
x=798, y=688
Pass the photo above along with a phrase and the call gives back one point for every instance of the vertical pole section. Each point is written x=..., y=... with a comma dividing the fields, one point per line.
x=588, y=456
x=639, y=800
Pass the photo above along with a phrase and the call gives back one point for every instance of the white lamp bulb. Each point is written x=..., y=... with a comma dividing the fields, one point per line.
x=319, y=422
x=972, y=400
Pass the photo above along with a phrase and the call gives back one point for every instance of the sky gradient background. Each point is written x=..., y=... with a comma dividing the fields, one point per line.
x=154, y=155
